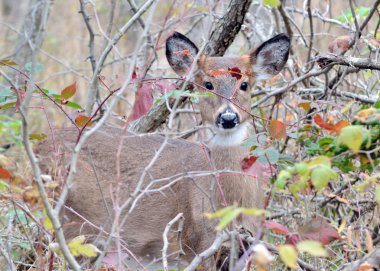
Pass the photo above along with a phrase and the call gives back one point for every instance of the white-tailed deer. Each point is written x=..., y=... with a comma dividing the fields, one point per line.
x=113, y=163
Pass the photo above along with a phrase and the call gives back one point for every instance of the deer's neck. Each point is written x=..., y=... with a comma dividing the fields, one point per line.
x=238, y=188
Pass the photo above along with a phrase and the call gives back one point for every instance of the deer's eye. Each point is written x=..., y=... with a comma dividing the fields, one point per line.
x=208, y=85
x=244, y=86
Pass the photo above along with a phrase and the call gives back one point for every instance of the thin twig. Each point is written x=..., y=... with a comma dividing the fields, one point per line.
x=166, y=242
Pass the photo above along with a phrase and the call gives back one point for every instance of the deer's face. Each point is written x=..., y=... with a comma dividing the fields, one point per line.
x=229, y=79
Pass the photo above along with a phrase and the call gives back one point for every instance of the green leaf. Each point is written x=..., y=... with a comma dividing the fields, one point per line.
x=283, y=176
x=5, y=94
x=7, y=105
x=302, y=169
x=352, y=136
x=288, y=255
x=38, y=67
x=272, y=3
x=229, y=213
x=253, y=211
x=377, y=193
x=37, y=136
x=73, y=105
x=219, y=213
x=78, y=248
x=362, y=11
x=312, y=247
x=321, y=175
x=3, y=186
x=227, y=218
x=320, y=160
x=377, y=104
x=273, y=155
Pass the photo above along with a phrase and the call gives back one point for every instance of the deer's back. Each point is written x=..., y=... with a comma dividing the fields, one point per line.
x=93, y=193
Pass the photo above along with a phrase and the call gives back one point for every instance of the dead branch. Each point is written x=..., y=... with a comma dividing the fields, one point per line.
x=355, y=62
x=179, y=217
x=369, y=262
x=219, y=240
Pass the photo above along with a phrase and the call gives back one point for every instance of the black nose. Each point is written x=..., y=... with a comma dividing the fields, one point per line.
x=228, y=119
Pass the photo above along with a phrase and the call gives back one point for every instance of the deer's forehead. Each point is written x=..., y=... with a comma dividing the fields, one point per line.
x=243, y=63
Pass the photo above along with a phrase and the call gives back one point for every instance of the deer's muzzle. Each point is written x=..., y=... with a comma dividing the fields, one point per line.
x=228, y=119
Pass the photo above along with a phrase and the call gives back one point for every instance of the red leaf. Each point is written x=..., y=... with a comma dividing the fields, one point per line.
x=235, y=72
x=81, y=120
x=215, y=73
x=293, y=239
x=69, y=91
x=277, y=129
x=4, y=174
x=339, y=45
x=143, y=102
x=247, y=162
x=165, y=88
x=276, y=227
x=340, y=125
x=184, y=52
x=333, y=128
x=320, y=230
x=134, y=74
x=320, y=122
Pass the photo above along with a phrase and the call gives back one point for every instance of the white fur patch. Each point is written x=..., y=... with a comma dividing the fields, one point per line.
x=229, y=137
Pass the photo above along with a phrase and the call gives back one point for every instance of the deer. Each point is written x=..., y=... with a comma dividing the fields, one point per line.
x=113, y=158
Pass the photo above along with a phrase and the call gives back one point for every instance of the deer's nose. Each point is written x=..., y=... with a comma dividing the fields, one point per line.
x=228, y=119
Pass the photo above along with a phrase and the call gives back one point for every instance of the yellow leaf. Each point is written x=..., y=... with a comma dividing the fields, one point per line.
x=47, y=222
x=78, y=248
x=7, y=62
x=347, y=107
x=377, y=193
x=319, y=160
x=312, y=247
x=342, y=226
x=288, y=255
x=352, y=137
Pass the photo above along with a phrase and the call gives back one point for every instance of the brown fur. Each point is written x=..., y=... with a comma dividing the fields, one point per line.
x=90, y=193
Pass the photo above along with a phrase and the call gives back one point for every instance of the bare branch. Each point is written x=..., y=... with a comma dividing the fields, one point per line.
x=94, y=82
x=360, y=63
x=221, y=237
x=166, y=242
x=371, y=262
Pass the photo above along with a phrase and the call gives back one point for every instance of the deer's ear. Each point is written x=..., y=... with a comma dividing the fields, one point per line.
x=180, y=53
x=270, y=57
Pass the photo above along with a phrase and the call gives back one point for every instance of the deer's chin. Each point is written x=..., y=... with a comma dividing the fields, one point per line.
x=229, y=137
